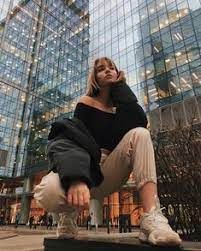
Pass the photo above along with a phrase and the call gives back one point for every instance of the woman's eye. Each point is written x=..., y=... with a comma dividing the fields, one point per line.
x=101, y=69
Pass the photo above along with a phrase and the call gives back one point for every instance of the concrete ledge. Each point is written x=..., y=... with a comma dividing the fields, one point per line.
x=53, y=244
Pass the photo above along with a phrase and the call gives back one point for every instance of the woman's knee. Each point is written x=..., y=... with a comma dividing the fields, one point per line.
x=140, y=132
x=49, y=193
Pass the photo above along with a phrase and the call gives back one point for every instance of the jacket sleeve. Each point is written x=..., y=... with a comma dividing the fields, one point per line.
x=121, y=94
x=70, y=161
x=127, y=105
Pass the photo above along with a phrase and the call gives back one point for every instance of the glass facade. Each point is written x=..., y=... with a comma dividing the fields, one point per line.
x=16, y=43
x=46, y=47
x=43, y=66
x=157, y=44
x=61, y=71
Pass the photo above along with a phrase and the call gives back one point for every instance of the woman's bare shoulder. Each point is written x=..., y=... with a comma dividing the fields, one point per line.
x=86, y=100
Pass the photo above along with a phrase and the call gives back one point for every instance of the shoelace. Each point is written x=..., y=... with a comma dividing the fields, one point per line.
x=67, y=219
x=157, y=219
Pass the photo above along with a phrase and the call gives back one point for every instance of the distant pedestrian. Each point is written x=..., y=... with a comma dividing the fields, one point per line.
x=45, y=219
x=89, y=222
x=35, y=222
x=8, y=220
x=31, y=220
x=49, y=221
x=40, y=220
x=2, y=216
x=17, y=218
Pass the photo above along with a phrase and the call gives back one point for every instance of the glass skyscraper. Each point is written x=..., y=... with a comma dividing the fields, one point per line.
x=44, y=52
x=43, y=65
x=157, y=43
x=47, y=48
x=60, y=73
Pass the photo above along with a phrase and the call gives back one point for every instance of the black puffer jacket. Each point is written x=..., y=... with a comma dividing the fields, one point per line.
x=73, y=153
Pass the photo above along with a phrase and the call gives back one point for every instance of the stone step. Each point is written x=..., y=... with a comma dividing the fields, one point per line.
x=112, y=244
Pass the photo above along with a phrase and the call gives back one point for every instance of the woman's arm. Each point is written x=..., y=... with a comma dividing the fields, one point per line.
x=127, y=105
x=71, y=161
x=121, y=94
x=73, y=166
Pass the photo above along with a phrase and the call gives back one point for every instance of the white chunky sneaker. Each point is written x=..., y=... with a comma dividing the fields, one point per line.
x=67, y=225
x=154, y=229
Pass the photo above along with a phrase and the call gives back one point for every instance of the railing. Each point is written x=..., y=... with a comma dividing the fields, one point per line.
x=179, y=179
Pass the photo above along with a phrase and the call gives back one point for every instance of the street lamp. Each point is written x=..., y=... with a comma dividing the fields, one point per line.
x=108, y=214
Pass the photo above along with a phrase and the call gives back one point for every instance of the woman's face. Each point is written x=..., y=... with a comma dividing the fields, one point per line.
x=105, y=73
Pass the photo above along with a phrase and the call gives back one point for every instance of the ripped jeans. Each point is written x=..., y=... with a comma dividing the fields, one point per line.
x=134, y=154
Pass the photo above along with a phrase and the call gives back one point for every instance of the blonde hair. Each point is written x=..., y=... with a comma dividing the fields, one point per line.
x=93, y=87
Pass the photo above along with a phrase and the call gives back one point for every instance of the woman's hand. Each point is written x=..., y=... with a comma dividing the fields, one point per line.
x=78, y=195
x=121, y=77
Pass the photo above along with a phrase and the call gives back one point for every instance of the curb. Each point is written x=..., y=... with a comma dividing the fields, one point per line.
x=8, y=236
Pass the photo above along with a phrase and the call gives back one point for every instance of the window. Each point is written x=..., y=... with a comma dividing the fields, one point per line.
x=153, y=97
x=196, y=79
x=174, y=85
x=154, y=27
x=187, y=28
x=181, y=57
x=193, y=51
x=159, y=67
x=170, y=62
x=166, y=39
x=3, y=157
x=147, y=50
x=194, y=4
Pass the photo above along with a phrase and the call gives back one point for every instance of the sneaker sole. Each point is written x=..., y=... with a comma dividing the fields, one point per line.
x=143, y=237
x=171, y=242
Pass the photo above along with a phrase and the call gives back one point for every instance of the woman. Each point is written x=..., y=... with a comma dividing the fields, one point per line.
x=113, y=117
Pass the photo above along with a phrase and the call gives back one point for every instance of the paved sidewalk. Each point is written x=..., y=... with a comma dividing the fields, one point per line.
x=24, y=243
x=24, y=239
x=7, y=234
x=10, y=229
